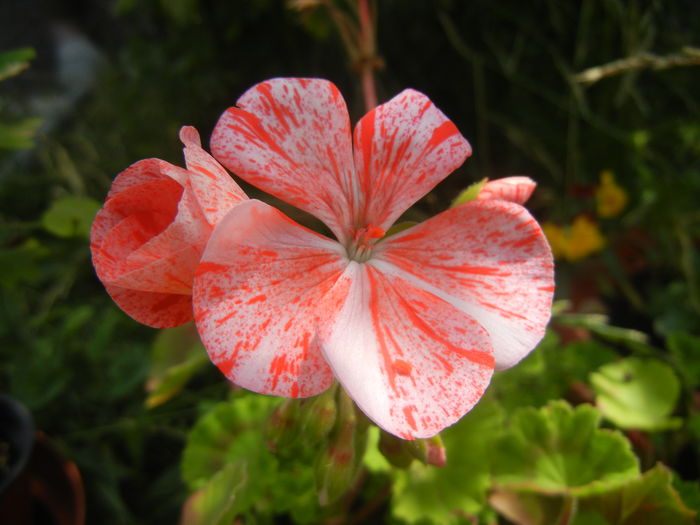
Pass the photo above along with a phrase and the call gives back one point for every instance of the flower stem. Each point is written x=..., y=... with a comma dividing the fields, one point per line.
x=367, y=55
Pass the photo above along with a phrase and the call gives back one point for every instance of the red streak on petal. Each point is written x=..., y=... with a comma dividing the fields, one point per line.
x=278, y=366
x=207, y=267
x=506, y=313
x=203, y=171
x=257, y=299
x=443, y=132
x=408, y=412
x=402, y=367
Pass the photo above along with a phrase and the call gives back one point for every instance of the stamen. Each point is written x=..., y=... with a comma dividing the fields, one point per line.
x=363, y=240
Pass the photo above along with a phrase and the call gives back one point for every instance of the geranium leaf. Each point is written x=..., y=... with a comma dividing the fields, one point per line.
x=685, y=348
x=216, y=503
x=560, y=450
x=232, y=433
x=70, y=216
x=648, y=500
x=441, y=495
x=637, y=393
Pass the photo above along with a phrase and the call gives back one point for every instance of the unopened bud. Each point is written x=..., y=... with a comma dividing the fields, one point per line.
x=430, y=451
x=283, y=426
x=394, y=450
x=319, y=416
x=337, y=465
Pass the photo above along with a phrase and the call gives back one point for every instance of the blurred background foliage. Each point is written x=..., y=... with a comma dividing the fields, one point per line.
x=597, y=100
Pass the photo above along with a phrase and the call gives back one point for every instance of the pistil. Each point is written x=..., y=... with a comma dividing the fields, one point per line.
x=360, y=248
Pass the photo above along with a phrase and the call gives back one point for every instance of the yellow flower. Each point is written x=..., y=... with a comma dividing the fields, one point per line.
x=581, y=239
x=610, y=198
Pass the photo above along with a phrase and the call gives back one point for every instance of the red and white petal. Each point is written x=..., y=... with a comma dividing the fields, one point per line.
x=158, y=310
x=402, y=150
x=216, y=191
x=148, y=207
x=149, y=249
x=411, y=361
x=517, y=189
x=146, y=170
x=291, y=137
x=489, y=259
x=256, y=295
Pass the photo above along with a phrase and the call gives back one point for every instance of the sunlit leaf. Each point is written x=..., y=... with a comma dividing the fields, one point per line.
x=216, y=503
x=441, y=495
x=176, y=356
x=637, y=393
x=648, y=500
x=560, y=450
x=14, y=62
x=469, y=194
x=70, y=216
x=598, y=325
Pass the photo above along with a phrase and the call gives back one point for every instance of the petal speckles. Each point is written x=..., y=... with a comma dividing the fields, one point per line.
x=256, y=300
x=488, y=258
x=411, y=361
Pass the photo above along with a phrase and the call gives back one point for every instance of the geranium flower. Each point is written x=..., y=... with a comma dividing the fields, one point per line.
x=412, y=324
x=147, y=239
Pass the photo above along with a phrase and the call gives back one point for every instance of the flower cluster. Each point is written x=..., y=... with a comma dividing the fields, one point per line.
x=412, y=325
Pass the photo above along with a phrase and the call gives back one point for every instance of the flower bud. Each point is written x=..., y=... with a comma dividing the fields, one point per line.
x=283, y=428
x=318, y=416
x=395, y=450
x=430, y=451
x=337, y=465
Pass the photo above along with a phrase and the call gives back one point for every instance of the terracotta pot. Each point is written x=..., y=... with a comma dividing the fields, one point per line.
x=37, y=486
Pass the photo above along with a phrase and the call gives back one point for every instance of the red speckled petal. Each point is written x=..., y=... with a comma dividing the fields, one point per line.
x=402, y=150
x=256, y=296
x=216, y=191
x=517, y=189
x=489, y=259
x=156, y=244
x=412, y=362
x=291, y=138
x=158, y=310
x=147, y=170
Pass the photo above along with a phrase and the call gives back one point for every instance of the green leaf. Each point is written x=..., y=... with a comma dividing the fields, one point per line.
x=598, y=325
x=176, y=356
x=20, y=264
x=560, y=450
x=469, y=194
x=216, y=503
x=637, y=393
x=14, y=62
x=441, y=495
x=647, y=500
x=19, y=135
x=231, y=433
x=70, y=216
x=689, y=492
x=685, y=349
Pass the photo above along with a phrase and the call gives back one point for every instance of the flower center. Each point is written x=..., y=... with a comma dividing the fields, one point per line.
x=360, y=248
